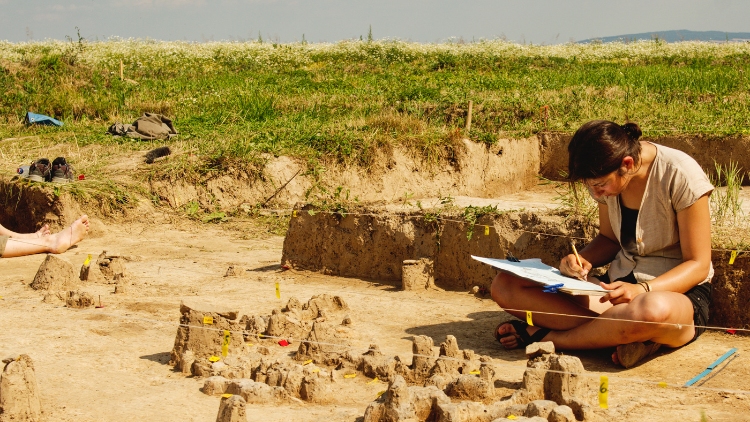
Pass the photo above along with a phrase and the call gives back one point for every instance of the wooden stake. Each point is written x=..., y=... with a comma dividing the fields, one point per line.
x=468, y=117
x=121, y=69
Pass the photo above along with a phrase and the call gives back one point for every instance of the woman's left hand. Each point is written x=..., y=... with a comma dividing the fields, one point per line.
x=620, y=292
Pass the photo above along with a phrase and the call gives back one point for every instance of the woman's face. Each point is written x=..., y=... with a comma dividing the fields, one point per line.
x=610, y=185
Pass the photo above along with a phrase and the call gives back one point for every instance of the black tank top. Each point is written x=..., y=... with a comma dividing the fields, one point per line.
x=627, y=226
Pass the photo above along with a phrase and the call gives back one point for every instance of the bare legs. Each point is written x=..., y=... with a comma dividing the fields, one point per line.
x=46, y=243
x=44, y=231
x=593, y=328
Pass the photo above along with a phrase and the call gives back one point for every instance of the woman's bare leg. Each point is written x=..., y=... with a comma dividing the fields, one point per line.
x=661, y=309
x=56, y=243
x=44, y=231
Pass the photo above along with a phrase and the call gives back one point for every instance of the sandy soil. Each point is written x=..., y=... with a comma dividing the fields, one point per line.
x=110, y=363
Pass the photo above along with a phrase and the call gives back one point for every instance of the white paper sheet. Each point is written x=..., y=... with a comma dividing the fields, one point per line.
x=535, y=270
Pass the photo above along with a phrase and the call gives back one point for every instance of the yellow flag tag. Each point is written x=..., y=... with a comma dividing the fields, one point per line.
x=294, y=213
x=87, y=261
x=486, y=230
x=208, y=320
x=528, y=318
x=662, y=384
x=374, y=380
x=603, y=392
x=316, y=370
x=225, y=344
x=307, y=362
x=278, y=292
x=732, y=257
x=214, y=359
x=380, y=393
x=512, y=417
x=226, y=396
x=350, y=375
x=475, y=372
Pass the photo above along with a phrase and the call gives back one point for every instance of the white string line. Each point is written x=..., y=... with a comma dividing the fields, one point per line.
x=344, y=292
x=351, y=348
x=347, y=347
x=676, y=325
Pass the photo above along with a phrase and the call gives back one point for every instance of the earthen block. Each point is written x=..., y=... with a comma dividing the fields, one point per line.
x=540, y=408
x=417, y=274
x=19, y=391
x=78, y=299
x=561, y=414
x=232, y=409
x=537, y=349
x=215, y=385
x=54, y=274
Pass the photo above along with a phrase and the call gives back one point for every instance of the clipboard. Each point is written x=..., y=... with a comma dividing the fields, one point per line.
x=535, y=270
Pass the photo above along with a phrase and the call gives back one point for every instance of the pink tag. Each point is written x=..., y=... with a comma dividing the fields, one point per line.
x=283, y=343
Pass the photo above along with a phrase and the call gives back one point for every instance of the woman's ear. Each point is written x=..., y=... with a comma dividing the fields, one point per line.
x=627, y=165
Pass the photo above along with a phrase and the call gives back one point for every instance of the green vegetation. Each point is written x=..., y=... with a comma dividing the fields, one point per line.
x=232, y=101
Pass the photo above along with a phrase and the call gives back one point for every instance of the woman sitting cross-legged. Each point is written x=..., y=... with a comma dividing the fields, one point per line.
x=654, y=231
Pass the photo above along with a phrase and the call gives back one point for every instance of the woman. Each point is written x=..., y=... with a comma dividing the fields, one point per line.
x=654, y=231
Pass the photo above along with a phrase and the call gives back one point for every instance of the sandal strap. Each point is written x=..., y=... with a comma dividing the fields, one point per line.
x=524, y=338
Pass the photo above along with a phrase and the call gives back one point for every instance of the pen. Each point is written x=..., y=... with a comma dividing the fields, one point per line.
x=578, y=258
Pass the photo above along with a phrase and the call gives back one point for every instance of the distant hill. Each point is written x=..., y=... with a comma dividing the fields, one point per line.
x=678, y=35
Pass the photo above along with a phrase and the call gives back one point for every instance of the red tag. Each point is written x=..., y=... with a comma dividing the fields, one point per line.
x=284, y=267
x=731, y=331
x=81, y=177
x=283, y=343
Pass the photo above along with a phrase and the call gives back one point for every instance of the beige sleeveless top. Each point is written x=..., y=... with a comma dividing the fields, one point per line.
x=675, y=182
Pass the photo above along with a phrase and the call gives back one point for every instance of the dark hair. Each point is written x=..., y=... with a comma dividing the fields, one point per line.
x=598, y=147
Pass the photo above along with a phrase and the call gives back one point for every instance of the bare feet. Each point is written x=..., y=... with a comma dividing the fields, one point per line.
x=63, y=240
x=44, y=231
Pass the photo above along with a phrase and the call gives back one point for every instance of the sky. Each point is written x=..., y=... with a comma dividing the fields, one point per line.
x=530, y=21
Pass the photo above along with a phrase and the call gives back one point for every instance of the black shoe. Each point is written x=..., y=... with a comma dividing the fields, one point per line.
x=62, y=172
x=40, y=171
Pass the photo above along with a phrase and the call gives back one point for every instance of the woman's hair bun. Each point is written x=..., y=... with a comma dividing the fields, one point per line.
x=633, y=130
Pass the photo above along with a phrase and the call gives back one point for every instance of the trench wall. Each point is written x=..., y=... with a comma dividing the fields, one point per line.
x=374, y=247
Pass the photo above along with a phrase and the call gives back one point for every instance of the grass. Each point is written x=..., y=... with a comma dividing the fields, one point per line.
x=348, y=102
x=344, y=101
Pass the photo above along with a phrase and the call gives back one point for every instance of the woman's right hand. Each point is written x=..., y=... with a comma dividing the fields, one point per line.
x=569, y=266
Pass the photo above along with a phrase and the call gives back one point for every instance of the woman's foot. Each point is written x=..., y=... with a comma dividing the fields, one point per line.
x=63, y=240
x=515, y=334
x=44, y=231
x=628, y=355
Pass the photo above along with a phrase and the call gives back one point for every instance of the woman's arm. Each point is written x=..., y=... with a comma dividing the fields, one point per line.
x=694, y=226
x=600, y=251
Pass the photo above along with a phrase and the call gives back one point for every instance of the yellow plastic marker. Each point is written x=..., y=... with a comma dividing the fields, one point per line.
x=475, y=372
x=381, y=393
x=225, y=344
x=208, y=320
x=307, y=362
x=603, y=391
x=350, y=375
x=662, y=384
x=214, y=359
x=528, y=318
x=226, y=396
x=294, y=213
x=261, y=336
x=486, y=230
x=278, y=292
x=316, y=370
x=87, y=261
x=374, y=380
x=2, y=298
x=732, y=257
x=512, y=417
x=249, y=344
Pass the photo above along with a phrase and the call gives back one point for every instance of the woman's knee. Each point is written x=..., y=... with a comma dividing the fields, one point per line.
x=502, y=288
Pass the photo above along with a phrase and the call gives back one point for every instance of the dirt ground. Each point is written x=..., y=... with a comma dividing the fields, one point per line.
x=110, y=363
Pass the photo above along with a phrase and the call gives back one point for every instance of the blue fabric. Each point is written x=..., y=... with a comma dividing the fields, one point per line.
x=41, y=119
